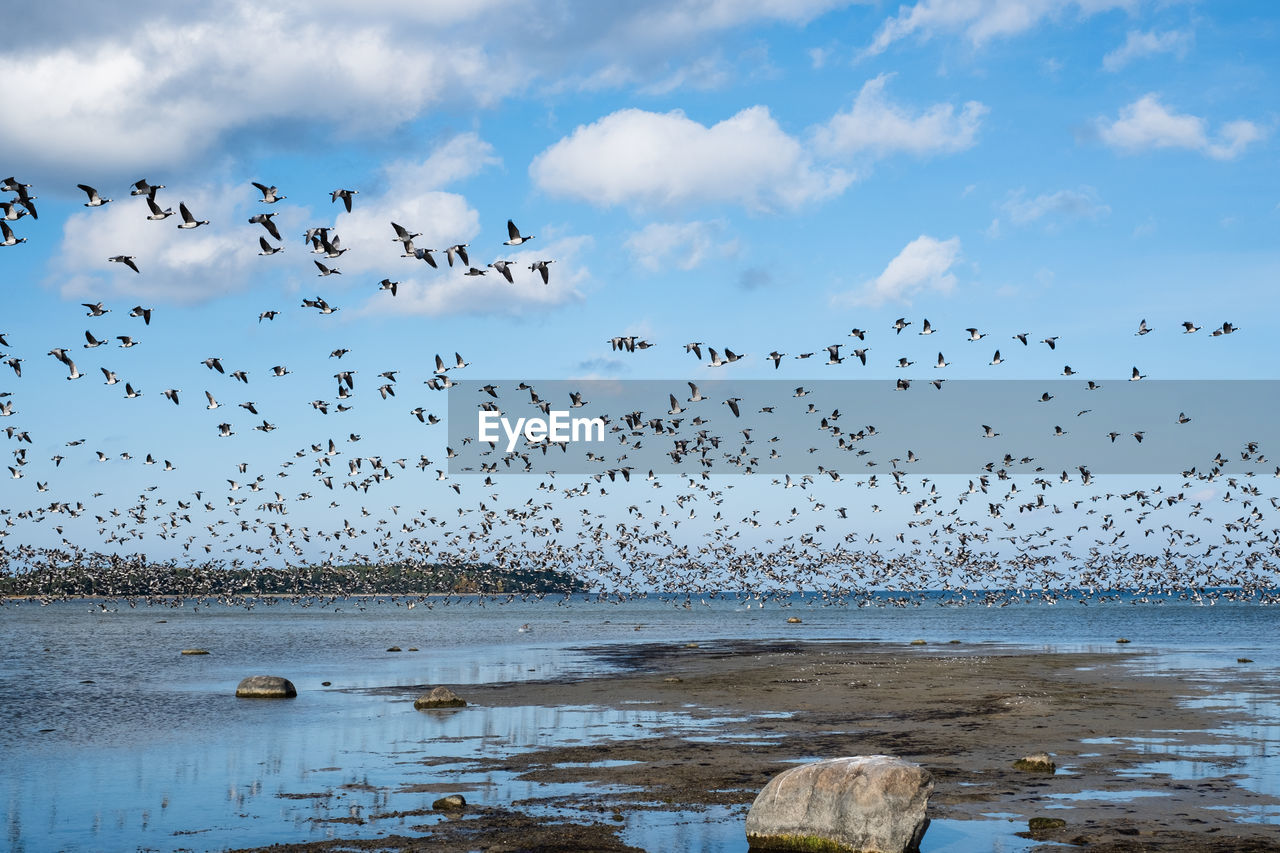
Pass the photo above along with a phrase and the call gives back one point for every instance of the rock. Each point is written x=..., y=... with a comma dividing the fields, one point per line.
x=919, y=642
x=451, y=803
x=859, y=803
x=1123, y=640
x=394, y=649
x=325, y=683
x=266, y=687
x=441, y=697
x=690, y=645
x=413, y=648
x=673, y=679
x=1244, y=660
x=1041, y=762
x=1044, y=824
x=195, y=651
x=794, y=620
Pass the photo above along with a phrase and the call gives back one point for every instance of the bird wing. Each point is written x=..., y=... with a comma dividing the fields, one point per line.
x=512, y=231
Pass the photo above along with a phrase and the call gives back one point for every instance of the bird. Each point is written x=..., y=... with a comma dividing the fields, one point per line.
x=1136, y=375
x=458, y=250
x=941, y=361
x=1143, y=329
x=926, y=329
x=95, y=200
x=975, y=335
x=95, y=309
x=127, y=260
x=189, y=221
x=157, y=213
x=996, y=359
x=9, y=239
x=514, y=238
x=345, y=195
x=504, y=267
x=270, y=195
x=473, y=271
x=91, y=341
x=425, y=255
x=900, y=324
x=324, y=270
x=267, y=248
x=144, y=313
x=264, y=219
x=141, y=187
x=1052, y=342
x=1189, y=328
x=541, y=267
x=171, y=394
x=388, y=284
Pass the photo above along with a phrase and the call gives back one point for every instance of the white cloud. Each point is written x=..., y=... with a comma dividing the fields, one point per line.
x=1138, y=44
x=1082, y=203
x=635, y=157
x=176, y=266
x=447, y=291
x=682, y=245
x=1147, y=124
x=876, y=126
x=923, y=265
x=981, y=20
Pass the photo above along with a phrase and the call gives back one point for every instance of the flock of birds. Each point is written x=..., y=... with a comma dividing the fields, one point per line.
x=1204, y=533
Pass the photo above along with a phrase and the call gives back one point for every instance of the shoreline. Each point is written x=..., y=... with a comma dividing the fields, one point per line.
x=964, y=712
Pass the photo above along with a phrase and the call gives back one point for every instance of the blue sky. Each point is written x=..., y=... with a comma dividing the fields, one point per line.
x=758, y=175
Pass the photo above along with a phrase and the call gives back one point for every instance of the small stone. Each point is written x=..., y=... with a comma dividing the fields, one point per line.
x=953, y=642
x=794, y=620
x=1123, y=640
x=394, y=649
x=1040, y=762
x=441, y=697
x=690, y=645
x=673, y=679
x=1244, y=660
x=195, y=651
x=1044, y=824
x=266, y=687
x=413, y=648
x=451, y=803
x=919, y=642
x=325, y=683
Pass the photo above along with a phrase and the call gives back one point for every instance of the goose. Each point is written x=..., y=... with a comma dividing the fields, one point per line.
x=250, y=407
x=900, y=324
x=9, y=239
x=111, y=378
x=213, y=404
x=403, y=235
x=833, y=354
x=862, y=355
x=1143, y=328
x=95, y=200
x=127, y=260
x=267, y=249
x=388, y=284
x=1059, y=431
x=224, y=431
x=1138, y=435
x=1021, y=336
x=675, y=406
x=280, y=370
x=902, y=385
x=1136, y=375
x=903, y=363
x=143, y=188
x=1067, y=371
x=1052, y=342
x=171, y=394
x=941, y=361
x=996, y=359
x=474, y=271
x=345, y=195
x=1189, y=328
x=16, y=364
x=541, y=267
x=95, y=309
x=189, y=221
x=325, y=271
x=975, y=335
x=11, y=185
x=265, y=427
x=776, y=357
x=988, y=432
x=458, y=250
x=1183, y=419
x=11, y=211
x=91, y=341
x=425, y=255
x=927, y=329
x=270, y=195
x=241, y=375
x=504, y=267
x=1226, y=329
x=576, y=400
x=144, y=313
x=157, y=213
x=213, y=363
x=264, y=219
x=126, y=342
x=1045, y=397
x=695, y=396
x=268, y=315
x=130, y=392
x=513, y=234
x=860, y=334
x=339, y=353
x=1092, y=386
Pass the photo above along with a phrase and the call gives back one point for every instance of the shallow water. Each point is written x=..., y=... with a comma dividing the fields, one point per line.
x=157, y=753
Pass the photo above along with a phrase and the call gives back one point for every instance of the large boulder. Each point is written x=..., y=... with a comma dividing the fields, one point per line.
x=861, y=803
x=266, y=687
x=441, y=697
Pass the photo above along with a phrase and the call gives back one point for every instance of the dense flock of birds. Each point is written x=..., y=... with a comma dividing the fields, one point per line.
x=624, y=531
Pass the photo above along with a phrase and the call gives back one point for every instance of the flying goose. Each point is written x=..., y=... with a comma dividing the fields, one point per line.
x=974, y=334
x=268, y=249
x=9, y=239
x=474, y=271
x=403, y=235
x=541, y=267
x=144, y=313
x=996, y=359
x=927, y=329
x=862, y=355
x=91, y=341
x=130, y=392
x=157, y=213
x=1189, y=328
x=126, y=341
x=171, y=394
x=388, y=284
x=345, y=195
x=270, y=195
x=941, y=361
x=1052, y=342
x=504, y=267
x=514, y=235
x=1143, y=328
x=95, y=200
x=189, y=221
x=95, y=309
x=324, y=270
x=264, y=219
x=127, y=260
x=900, y=324
x=143, y=188
x=425, y=255
x=1136, y=375
x=11, y=211
x=458, y=250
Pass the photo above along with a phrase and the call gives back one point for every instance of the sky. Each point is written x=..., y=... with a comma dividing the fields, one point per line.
x=763, y=175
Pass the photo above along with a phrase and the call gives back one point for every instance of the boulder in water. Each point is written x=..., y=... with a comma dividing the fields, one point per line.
x=1040, y=762
x=195, y=651
x=859, y=803
x=266, y=687
x=441, y=697
x=451, y=803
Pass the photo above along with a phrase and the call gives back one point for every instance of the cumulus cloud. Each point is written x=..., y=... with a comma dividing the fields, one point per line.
x=878, y=127
x=445, y=292
x=981, y=20
x=1138, y=44
x=923, y=265
x=1082, y=203
x=148, y=87
x=682, y=245
x=648, y=159
x=1147, y=124
x=176, y=266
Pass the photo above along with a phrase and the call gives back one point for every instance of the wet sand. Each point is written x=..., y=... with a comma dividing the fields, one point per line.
x=966, y=713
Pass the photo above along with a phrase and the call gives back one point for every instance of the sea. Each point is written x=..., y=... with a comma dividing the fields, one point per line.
x=114, y=741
